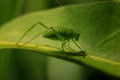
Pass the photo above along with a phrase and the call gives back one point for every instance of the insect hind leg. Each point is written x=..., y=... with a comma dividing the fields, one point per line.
x=30, y=30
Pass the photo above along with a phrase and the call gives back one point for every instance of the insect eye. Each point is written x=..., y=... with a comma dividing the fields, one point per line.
x=77, y=36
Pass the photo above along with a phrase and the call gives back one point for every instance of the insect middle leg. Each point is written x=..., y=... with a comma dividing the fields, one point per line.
x=60, y=38
x=63, y=44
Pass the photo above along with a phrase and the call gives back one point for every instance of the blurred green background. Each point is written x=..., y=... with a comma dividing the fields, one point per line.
x=24, y=65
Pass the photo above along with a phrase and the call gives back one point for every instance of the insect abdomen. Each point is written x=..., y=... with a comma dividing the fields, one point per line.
x=66, y=34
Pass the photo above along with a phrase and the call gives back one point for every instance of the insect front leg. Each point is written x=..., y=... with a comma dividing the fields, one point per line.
x=76, y=44
x=81, y=52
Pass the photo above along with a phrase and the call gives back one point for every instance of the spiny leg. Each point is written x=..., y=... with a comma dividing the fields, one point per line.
x=30, y=30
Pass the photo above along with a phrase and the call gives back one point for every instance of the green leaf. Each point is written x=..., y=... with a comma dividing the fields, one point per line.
x=98, y=24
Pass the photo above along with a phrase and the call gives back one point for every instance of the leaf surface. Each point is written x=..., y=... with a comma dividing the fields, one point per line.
x=97, y=23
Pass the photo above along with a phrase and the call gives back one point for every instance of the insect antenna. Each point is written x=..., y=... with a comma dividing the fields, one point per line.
x=73, y=20
x=71, y=17
x=29, y=31
x=59, y=3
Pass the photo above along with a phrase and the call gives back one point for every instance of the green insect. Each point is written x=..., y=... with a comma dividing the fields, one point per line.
x=60, y=34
